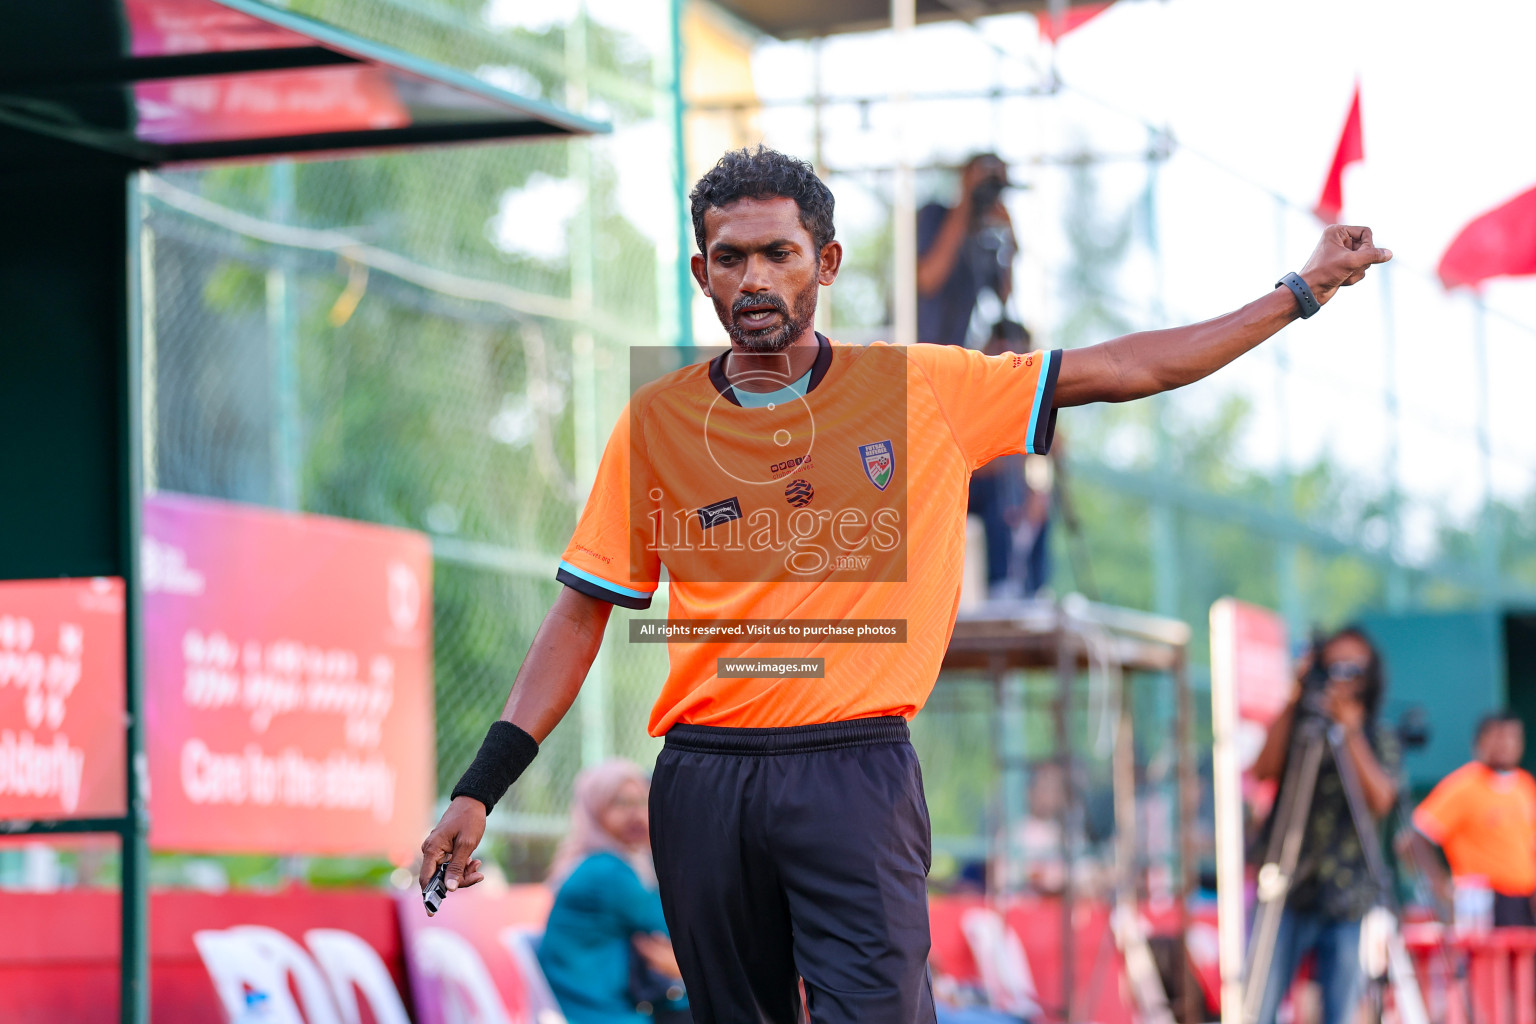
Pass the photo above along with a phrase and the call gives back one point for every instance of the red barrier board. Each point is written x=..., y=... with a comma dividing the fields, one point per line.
x=296, y=955
x=1100, y=988
x=63, y=965
x=475, y=959
x=61, y=698
x=288, y=683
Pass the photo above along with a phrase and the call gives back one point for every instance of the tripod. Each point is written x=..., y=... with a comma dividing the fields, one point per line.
x=1453, y=966
x=1312, y=737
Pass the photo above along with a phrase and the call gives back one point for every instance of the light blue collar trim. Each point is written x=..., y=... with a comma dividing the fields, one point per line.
x=763, y=399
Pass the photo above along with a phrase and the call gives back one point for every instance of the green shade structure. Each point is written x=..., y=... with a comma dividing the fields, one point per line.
x=91, y=92
x=154, y=82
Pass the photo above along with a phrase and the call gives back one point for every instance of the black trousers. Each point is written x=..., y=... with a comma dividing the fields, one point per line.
x=796, y=853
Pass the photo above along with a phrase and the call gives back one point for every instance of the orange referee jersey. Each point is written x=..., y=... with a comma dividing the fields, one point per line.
x=1485, y=821
x=841, y=498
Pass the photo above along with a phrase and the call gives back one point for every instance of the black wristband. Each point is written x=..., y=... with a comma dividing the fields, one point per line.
x=504, y=753
x=1304, y=297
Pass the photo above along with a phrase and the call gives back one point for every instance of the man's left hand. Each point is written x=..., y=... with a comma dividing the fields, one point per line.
x=1341, y=259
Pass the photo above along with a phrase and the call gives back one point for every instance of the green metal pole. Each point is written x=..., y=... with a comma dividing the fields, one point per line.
x=1487, y=522
x=1010, y=686
x=593, y=703
x=1397, y=576
x=680, y=175
x=134, y=998
x=282, y=333
x=1166, y=580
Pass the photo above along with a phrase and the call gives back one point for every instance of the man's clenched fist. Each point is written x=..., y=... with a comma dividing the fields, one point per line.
x=1341, y=259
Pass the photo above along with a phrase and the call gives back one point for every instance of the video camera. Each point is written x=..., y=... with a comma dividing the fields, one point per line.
x=1315, y=683
x=1412, y=730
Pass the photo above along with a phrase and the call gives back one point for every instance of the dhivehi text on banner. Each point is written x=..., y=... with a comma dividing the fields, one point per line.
x=62, y=741
x=288, y=681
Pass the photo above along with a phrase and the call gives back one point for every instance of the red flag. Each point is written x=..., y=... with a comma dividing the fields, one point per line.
x=1351, y=149
x=1054, y=28
x=1502, y=242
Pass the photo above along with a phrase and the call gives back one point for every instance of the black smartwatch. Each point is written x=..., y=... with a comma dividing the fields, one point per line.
x=1304, y=296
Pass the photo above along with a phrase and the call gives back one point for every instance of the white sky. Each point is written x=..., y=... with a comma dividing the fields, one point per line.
x=1261, y=89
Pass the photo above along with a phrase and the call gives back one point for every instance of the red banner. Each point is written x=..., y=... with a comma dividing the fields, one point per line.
x=61, y=698
x=267, y=104
x=160, y=27
x=288, y=681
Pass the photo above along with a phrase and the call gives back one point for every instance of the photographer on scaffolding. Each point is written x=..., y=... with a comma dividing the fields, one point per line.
x=1332, y=887
x=964, y=250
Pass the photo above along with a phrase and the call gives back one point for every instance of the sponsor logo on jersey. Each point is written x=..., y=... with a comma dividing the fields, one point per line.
x=879, y=463
x=798, y=462
x=799, y=493
x=719, y=512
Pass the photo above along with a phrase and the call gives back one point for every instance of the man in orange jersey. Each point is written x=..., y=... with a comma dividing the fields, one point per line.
x=802, y=496
x=1483, y=815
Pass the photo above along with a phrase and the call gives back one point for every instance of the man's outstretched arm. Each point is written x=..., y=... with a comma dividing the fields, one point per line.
x=1149, y=362
x=547, y=683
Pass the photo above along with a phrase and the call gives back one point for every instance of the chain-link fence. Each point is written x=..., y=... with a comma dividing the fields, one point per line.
x=433, y=340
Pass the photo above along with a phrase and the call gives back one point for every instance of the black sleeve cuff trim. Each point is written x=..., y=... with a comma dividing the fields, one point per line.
x=591, y=589
x=1045, y=433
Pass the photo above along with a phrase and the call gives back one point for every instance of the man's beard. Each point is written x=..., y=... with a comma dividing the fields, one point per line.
x=775, y=337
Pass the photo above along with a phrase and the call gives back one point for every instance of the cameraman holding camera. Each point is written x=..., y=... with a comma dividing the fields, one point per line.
x=962, y=251
x=1332, y=889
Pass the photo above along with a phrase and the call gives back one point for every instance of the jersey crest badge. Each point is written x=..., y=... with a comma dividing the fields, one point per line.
x=879, y=463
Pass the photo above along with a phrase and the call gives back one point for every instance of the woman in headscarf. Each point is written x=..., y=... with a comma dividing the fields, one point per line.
x=606, y=910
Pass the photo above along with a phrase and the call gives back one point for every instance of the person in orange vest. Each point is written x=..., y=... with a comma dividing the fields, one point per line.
x=1483, y=816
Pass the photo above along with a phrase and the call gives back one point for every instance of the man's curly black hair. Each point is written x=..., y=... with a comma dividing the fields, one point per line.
x=764, y=173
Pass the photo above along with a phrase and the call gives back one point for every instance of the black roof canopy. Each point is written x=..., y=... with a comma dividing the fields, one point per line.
x=152, y=82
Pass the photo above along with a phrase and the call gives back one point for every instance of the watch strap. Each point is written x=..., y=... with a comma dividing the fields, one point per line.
x=1303, y=293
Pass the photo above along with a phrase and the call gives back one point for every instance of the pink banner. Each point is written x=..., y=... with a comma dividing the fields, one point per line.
x=161, y=27
x=62, y=744
x=268, y=104
x=288, y=681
